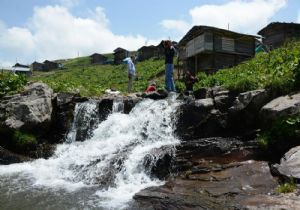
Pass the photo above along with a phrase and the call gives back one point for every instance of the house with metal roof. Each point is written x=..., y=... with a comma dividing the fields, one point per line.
x=276, y=34
x=208, y=49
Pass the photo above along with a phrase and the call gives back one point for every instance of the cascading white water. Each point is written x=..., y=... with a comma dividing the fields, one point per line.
x=118, y=105
x=108, y=166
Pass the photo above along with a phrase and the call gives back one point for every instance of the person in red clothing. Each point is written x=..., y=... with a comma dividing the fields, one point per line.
x=151, y=88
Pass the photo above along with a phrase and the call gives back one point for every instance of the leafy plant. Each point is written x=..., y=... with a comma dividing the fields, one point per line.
x=278, y=70
x=283, y=130
x=287, y=187
x=11, y=83
x=23, y=140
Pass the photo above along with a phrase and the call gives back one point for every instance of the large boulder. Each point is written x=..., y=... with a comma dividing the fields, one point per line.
x=244, y=111
x=8, y=157
x=200, y=119
x=130, y=102
x=63, y=114
x=280, y=107
x=30, y=110
x=290, y=164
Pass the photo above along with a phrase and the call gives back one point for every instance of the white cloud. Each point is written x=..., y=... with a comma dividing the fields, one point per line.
x=178, y=25
x=241, y=15
x=298, y=17
x=54, y=33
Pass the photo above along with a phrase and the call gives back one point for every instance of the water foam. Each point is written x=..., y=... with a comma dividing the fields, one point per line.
x=111, y=160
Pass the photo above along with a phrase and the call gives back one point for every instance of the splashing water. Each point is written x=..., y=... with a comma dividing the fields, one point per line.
x=104, y=171
x=85, y=119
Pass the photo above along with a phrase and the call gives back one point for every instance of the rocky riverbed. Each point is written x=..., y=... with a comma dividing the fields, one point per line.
x=218, y=163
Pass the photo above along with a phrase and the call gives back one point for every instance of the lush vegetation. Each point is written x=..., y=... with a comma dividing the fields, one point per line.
x=278, y=70
x=11, y=83
x=284, y=131
x=24, y=140
x=287, y=187
x=92, y=80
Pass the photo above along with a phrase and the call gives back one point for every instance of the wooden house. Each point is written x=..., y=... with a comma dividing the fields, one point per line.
x=146, y=52
x=97, y=58
x=21, y=65
x=19, y=69
x=36, y=66
x=50, y=65
x=160, y=50
x=120, y=54
x=208, y=49
x=275, y=34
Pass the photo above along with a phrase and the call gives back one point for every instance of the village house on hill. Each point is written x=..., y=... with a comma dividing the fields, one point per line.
x=20, y=69
x=120, y=54
x=97, y=58
x=209, y=49
x=36, y=66
x=160, y=50
x=50, y=65
x=45, y=66
x=21, y=65
x=146, y=52
x=276, y=34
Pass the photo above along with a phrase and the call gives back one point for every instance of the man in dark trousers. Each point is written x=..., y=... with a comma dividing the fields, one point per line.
x=169, y=55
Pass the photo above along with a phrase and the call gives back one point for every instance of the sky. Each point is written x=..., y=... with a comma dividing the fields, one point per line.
x=36, y=30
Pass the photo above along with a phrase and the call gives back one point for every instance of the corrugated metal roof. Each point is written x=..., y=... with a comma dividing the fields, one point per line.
x=23, y=69
x=197, y=30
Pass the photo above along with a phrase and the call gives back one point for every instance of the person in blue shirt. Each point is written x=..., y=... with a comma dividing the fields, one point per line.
x=170, y=51
x=131, y=72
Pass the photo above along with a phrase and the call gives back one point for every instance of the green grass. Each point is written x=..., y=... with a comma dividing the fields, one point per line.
x=286, y=187
x=93, y=80
x=278, y=69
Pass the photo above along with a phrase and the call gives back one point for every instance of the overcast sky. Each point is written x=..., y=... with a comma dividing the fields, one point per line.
x=35, y=30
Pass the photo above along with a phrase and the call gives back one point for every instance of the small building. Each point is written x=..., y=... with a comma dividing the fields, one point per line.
x=146, y=52
x=25, y=70
x=160, y=50
x=209, y=49
x=50, y=65
x=21, y=65
x=120, y=54
x=276, y=34
x=97, y=58
x=36, y=66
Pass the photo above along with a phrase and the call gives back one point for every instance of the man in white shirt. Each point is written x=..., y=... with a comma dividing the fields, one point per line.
x=131, y=72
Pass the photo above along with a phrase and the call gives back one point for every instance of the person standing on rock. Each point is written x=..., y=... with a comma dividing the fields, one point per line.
x=131, y=71
x=169, y=55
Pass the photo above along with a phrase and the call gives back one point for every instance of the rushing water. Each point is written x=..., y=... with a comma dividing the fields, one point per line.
x=103, y=172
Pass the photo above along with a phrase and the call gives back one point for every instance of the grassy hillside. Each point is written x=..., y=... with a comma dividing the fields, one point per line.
x=93, y=80
x=278, y=69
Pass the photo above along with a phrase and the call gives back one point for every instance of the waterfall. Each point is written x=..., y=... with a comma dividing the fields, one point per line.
x=106, y=170
x=85, y=120
x=118, y=105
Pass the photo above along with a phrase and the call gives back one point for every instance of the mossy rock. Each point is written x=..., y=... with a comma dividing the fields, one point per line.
x=24, y=141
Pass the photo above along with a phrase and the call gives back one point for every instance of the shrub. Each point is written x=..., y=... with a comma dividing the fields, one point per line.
x=287, y=187
x=278, y=70
x=24, y=140
x=11, y=83
x=284, y=131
